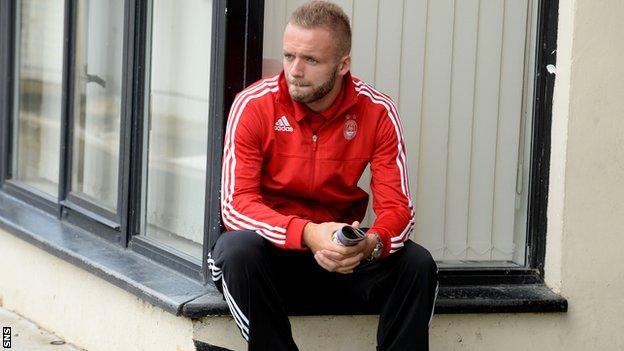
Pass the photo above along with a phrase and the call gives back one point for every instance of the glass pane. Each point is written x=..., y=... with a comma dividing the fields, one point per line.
x=39, y=75
x=175, y=134
x=97, y=101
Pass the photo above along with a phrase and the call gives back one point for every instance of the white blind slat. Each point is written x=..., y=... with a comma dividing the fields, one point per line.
x=434, y=128
x=510, y=108
x=411, y=84
x=460, y=128
x=364, y=39
x=388, y=61
x=484, y=130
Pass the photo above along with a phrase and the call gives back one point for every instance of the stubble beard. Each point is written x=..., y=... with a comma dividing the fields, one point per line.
x=315, y=94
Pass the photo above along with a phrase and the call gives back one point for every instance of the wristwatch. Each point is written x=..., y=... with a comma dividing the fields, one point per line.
x=376, y=250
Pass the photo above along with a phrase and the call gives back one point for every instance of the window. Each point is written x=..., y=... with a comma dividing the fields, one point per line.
x=96, y=102
x=176, y=136
x=37, y=99
x=114, y=116
x=462, y=74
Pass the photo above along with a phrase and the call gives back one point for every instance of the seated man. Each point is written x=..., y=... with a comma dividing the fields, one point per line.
x=295, y=147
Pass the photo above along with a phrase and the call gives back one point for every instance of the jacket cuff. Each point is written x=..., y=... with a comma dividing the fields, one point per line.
x=294, y=234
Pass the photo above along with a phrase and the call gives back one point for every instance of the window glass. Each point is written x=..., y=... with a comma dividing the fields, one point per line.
x=38, y=87
x=178, y=81
x=97, y=101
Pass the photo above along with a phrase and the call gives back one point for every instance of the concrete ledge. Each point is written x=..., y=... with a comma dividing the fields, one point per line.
x=451, y=299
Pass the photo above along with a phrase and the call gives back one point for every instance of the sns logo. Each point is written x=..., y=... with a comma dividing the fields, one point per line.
x=282, y=125
x=6, y=337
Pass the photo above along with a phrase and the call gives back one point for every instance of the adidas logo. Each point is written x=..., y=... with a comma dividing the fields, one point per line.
x=282, y=125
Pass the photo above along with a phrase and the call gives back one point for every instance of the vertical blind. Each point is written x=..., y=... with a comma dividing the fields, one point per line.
x=461, y=74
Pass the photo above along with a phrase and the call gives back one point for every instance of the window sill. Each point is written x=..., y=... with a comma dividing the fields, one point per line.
x=152, y=282
x=451, y=300
x=181, y=295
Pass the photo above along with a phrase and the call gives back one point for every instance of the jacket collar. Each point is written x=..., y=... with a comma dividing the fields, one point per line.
x=345, y=100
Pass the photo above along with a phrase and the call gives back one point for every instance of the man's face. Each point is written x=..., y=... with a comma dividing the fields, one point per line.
x=311, y=63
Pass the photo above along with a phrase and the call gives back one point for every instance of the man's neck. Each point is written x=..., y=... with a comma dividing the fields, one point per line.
x=327, y=100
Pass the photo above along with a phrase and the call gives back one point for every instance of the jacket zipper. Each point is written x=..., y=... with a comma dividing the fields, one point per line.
x=314, y=147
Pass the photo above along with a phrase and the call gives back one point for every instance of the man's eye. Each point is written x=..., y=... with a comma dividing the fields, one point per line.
x=288, y=57
x=311, y=60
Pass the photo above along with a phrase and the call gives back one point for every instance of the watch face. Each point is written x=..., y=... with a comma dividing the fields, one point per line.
x=377, y=250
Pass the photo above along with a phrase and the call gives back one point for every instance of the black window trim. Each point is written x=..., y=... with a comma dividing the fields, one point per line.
x=243, y=24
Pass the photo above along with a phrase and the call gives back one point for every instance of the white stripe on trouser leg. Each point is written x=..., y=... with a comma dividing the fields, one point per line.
x=239, y=317
x=435, y=296
x=214, y=270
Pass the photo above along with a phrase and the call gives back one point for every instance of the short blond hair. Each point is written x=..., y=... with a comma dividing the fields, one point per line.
x=327, y=15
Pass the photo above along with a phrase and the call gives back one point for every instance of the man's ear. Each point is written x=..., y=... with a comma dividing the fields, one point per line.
x=345, y=65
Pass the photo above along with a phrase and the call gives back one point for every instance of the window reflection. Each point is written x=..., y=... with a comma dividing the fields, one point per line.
x=176, y=131
x=97, y=101
x=39, y=72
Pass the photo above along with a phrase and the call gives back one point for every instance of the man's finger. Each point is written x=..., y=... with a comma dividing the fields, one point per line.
x=351, y=261
x=326, y=263
x=343, y=261
x=348, y=269
x=346, y=250
x=337, y=256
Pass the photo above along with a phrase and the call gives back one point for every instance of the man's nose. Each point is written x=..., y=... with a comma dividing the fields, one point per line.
x=296, y=70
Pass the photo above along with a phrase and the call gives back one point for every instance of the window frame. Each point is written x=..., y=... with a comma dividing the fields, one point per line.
x=122, y=227
x=226, y=82
x=536, y=229
x=533, y=270
x=41, y=200
x=75, y=209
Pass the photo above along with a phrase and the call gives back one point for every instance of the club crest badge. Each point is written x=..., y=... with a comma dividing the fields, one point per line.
x=350, y=128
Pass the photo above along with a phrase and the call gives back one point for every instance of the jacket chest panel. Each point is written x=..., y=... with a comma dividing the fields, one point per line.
x=340, y=138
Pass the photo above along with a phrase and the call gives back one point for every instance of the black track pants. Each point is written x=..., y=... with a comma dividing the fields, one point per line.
x=263, y=284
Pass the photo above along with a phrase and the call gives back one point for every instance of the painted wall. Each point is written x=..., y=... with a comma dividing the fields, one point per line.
x=584, y=246
x=80, y=307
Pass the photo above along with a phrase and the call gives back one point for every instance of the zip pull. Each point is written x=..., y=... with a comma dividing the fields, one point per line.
x=314, y=139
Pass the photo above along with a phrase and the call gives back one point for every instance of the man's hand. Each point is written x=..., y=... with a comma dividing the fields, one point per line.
x=331, y=256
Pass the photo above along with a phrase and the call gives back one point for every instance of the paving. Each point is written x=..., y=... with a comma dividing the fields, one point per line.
x=28, y=336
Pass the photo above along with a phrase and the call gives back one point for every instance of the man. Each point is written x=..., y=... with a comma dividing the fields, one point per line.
x=295, y=147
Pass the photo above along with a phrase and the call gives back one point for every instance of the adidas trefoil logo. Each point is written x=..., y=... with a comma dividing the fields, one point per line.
x=282, y=125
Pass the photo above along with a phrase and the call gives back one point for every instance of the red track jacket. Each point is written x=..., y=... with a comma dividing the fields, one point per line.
x=285, y=165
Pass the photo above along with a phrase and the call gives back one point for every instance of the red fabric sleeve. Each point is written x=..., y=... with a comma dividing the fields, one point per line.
x=242, y=207
x=390, y=183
